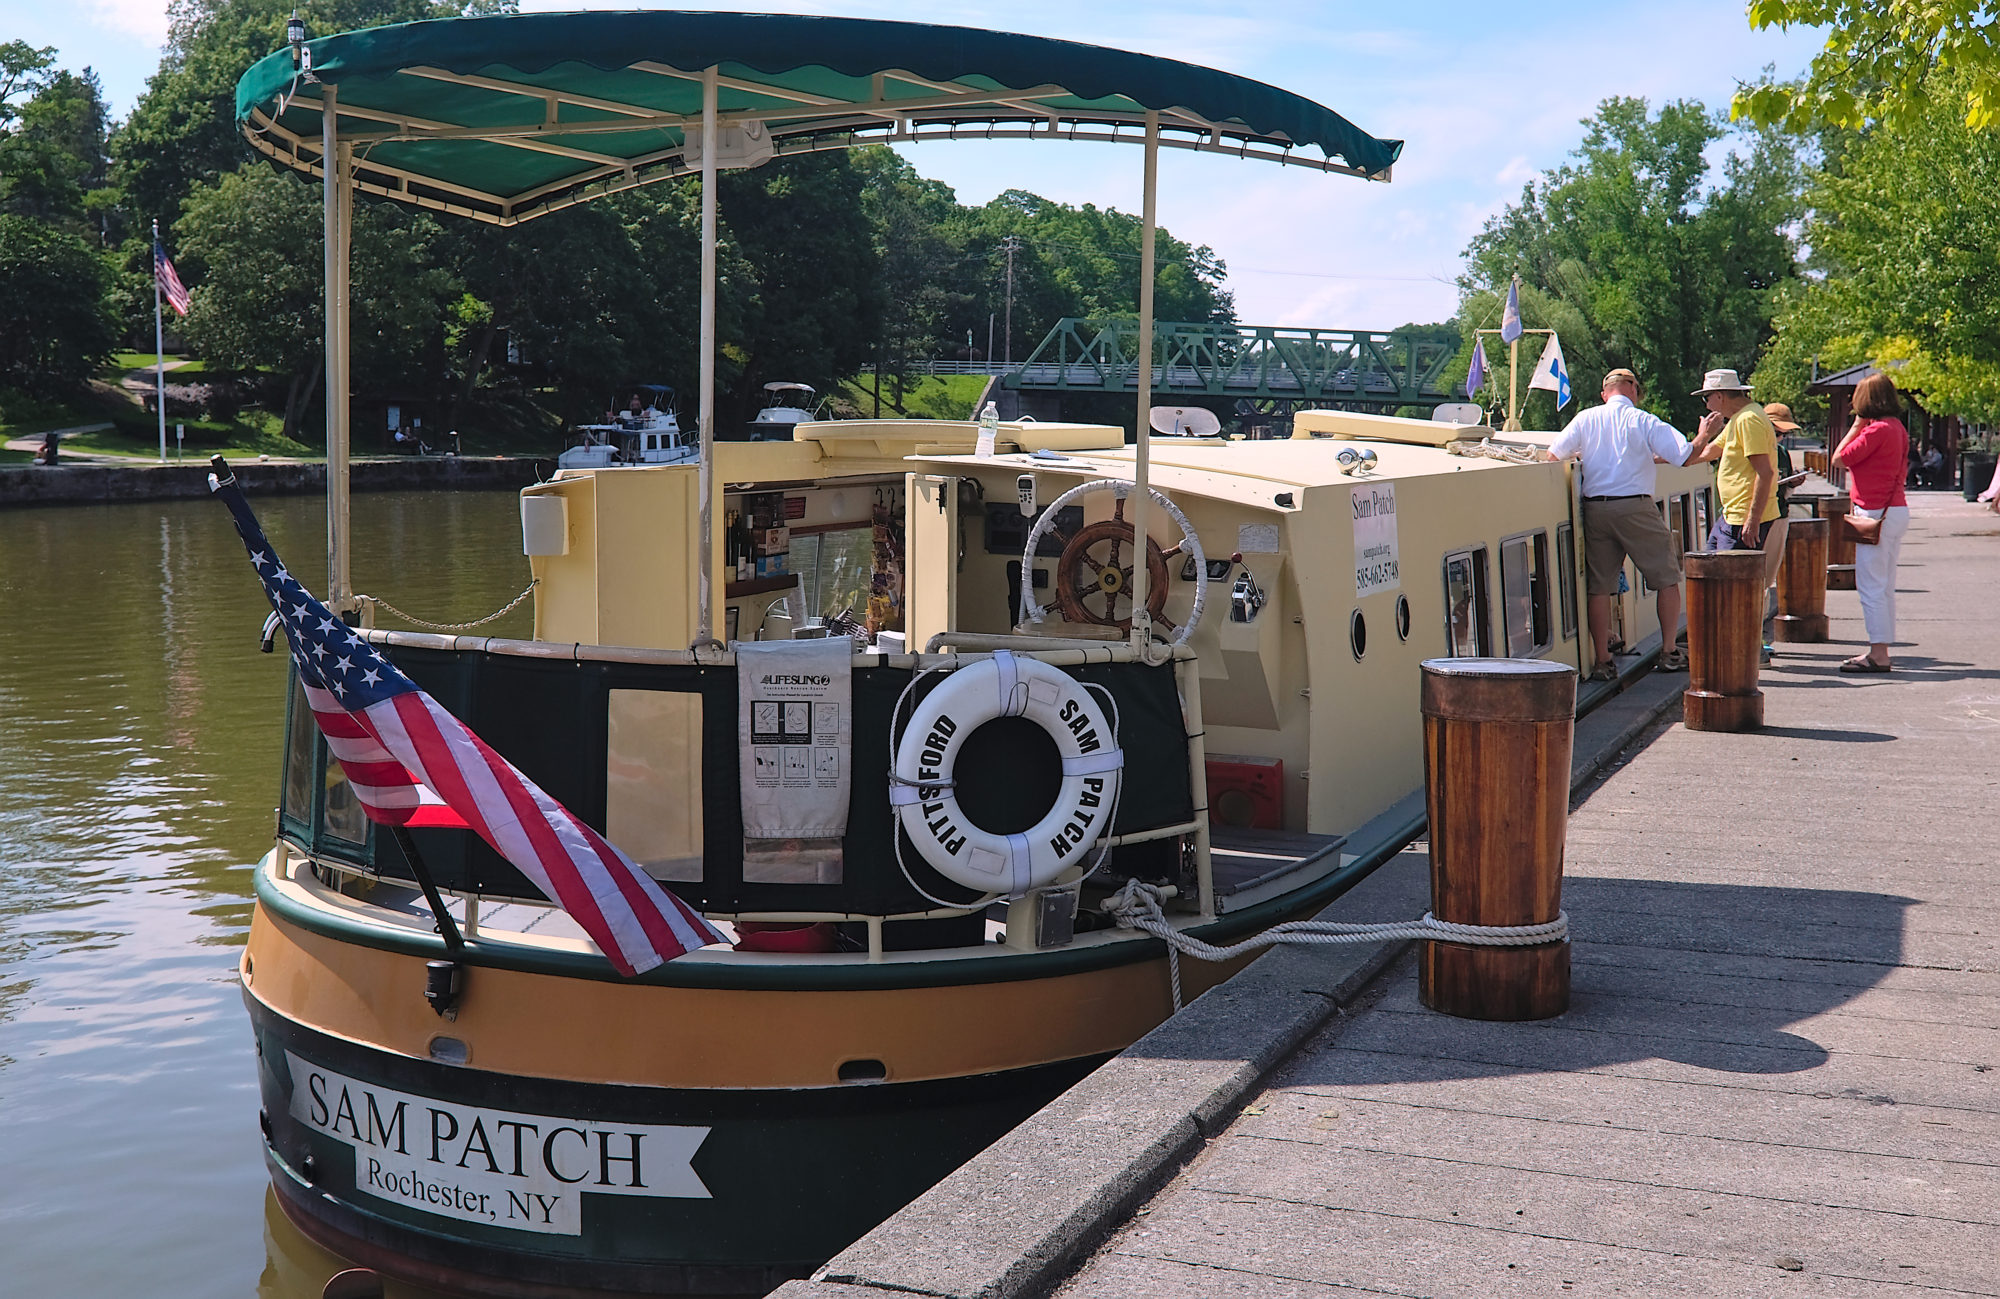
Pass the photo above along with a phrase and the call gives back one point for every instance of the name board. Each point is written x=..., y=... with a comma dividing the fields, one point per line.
x=1375, y=565
x=526, y=1172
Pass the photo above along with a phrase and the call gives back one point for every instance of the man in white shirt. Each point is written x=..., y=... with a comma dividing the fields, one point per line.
x=1618, y=444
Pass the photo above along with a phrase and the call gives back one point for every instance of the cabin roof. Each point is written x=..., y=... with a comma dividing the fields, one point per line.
x=1247, y=472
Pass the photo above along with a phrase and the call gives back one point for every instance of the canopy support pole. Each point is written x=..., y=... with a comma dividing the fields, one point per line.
x=705, y=593
x=338, y=196
x=1142, y=617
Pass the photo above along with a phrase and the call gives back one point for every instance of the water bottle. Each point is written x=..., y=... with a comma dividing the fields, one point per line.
x=989, y=427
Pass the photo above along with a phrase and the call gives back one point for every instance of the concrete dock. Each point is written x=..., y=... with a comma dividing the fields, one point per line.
x=1780, y=1073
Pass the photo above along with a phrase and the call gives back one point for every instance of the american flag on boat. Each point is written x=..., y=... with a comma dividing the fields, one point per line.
x=168, y=279
x=412, y=763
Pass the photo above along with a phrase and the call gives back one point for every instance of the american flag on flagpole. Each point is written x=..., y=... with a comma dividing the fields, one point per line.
x=412, y=763
x=168, y=279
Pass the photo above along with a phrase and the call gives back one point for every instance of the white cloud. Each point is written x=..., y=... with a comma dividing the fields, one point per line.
x=144, y=20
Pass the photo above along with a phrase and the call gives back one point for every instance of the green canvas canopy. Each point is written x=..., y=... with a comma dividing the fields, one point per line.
x=505, y=118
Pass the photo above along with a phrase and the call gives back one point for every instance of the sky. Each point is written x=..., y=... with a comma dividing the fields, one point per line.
x=1486, y=97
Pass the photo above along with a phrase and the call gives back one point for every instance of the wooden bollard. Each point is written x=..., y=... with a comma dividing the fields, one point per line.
x=1725, y=607
x=1497, y=736
x=1802, y=584
x=1839, y=546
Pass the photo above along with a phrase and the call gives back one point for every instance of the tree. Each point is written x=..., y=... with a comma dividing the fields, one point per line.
x=918, y=254
x=54, y=156
x=183, y=130
x=800, y=226
x=1658, y=273
x=251, y=243
x=1905, y=233
x=54, y=329
x=1879, y=61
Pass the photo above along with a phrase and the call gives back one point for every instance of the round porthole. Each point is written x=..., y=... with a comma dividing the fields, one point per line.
x=1357, y=634
x=1402, y=617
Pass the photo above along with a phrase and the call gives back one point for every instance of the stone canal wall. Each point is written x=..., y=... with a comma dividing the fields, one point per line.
x=98, y=483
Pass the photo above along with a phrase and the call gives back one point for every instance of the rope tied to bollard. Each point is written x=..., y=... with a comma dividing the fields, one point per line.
x=1137, y=906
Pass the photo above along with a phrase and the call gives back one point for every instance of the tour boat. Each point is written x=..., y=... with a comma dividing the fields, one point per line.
x=1015, y=720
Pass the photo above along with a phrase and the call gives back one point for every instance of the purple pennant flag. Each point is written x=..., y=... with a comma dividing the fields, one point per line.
x=1510, y=320
x=1476, y=376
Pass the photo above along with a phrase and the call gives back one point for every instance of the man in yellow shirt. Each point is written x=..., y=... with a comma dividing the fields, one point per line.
x=1737, y=434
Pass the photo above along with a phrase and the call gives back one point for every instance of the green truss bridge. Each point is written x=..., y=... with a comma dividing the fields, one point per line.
x=1273, y=367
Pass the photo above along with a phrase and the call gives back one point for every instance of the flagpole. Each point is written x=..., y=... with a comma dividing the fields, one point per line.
x=1513, y=387
x=704, y=619
x=1142, y=614
x=159, y=346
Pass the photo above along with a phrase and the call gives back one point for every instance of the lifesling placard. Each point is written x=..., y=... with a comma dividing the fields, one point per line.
x=1376, y=567
x=796, y=727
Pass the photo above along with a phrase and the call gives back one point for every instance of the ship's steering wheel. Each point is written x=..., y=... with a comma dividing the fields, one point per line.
x=1094, y=574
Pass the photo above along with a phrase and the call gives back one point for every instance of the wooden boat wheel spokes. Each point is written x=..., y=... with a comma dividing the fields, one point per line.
x=1094, y=575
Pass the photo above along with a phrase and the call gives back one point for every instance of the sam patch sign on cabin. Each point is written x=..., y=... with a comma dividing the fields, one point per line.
x=1376, y=568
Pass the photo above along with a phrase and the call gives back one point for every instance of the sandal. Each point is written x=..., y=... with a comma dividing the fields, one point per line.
x=1616, y=646
x=1605, y=671
x=1675, y=661
x=1863, y=666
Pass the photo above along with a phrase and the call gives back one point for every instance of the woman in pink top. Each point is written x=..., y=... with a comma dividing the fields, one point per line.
x=1876, y=452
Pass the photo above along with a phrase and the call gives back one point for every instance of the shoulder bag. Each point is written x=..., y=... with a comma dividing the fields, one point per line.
x=1860, y=529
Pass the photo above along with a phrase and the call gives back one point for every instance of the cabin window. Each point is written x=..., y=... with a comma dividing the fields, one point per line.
x=652, y=785
x=1677, y=522
x=300, y=732
x=343, y=818
x=1704, y=519
x=1524, y=593
x=1566, y=577
x=836, y=568
x=1467, y=631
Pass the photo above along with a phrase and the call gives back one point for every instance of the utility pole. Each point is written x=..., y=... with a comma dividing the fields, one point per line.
x=989, y=339
x=1010, y=244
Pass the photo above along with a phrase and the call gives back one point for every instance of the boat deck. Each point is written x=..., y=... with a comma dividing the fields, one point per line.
x=1246, y=858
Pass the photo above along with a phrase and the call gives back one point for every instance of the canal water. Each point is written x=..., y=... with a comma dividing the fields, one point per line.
x=139, y=738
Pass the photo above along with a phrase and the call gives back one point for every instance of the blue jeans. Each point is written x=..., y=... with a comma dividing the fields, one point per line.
x=1730, y=536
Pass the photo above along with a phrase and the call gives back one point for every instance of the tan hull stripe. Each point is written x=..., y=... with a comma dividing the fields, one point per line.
x=584, y=1030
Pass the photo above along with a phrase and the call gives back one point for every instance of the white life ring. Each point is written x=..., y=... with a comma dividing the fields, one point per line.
x=922, y=787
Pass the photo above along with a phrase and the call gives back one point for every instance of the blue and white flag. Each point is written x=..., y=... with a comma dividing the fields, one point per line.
x=1510, y=320
x=1551, y=373
x=1475, y=378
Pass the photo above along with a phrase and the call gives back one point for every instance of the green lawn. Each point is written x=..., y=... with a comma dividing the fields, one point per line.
x=15, y=457
x=934, y=396
x=130, y=362
x=137, y=434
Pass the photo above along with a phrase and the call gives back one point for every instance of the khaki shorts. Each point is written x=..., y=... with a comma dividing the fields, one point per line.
x=1614, y=529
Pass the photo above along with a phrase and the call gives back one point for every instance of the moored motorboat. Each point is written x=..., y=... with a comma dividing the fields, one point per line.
x=646, y=431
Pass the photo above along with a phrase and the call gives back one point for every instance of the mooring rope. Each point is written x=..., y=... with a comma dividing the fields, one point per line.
x=508, y=608
x=1488, y=449
x=1137, y=906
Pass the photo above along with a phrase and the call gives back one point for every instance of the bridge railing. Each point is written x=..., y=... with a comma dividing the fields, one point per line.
x=1349, y=365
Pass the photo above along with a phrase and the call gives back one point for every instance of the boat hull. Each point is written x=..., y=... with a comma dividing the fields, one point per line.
x=468, y=1179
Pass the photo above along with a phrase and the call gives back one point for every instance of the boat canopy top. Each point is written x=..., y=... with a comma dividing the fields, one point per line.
x=506, y=118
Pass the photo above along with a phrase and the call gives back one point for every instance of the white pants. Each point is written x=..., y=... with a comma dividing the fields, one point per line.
x=1875, y=573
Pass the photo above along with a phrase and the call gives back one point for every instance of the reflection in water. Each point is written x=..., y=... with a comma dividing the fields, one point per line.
x=139, y=738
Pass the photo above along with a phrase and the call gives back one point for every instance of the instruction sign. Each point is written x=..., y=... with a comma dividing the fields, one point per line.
x=1376, y=568
x=796, y=732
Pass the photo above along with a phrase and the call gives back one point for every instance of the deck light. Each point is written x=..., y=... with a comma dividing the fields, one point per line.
x=295, y=36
